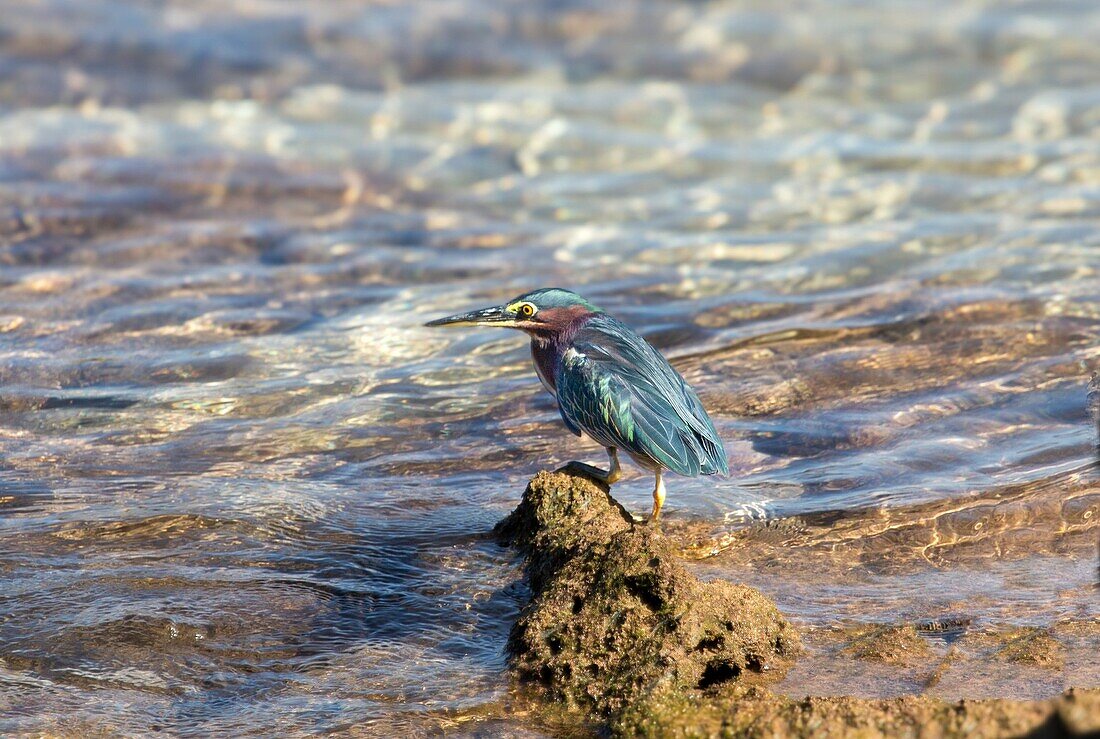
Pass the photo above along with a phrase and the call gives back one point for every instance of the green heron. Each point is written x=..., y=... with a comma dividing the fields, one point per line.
x=612, y=385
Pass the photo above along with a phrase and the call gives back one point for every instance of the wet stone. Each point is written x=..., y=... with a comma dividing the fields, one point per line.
x=753, y=711
x=892, y=645
x=947, y=629
x=615, y=612
x=619, y=632
x=1032, y=646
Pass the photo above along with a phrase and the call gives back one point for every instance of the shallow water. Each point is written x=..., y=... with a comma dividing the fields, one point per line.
x=241, y=487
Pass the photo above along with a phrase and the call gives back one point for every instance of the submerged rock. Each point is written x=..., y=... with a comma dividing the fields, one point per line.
x=1032, y=646
x=890, y=644
x=616, y=615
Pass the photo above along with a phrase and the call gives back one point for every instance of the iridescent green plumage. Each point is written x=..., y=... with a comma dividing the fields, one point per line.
x=611, y=385
x=619, y=390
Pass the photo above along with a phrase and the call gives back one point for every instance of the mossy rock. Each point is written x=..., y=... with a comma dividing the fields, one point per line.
x=621, y=635
x=751, y=712
x=1032, y=646
x=561, y=516
x=890, y=644
x=615, y=613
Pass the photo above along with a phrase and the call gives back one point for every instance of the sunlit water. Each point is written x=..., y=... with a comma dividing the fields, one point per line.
x=242, y=488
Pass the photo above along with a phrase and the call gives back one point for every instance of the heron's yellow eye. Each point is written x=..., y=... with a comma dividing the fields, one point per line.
x=527, y=310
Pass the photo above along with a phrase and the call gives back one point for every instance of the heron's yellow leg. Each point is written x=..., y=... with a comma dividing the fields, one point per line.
x=658, y=498
x=614, y=471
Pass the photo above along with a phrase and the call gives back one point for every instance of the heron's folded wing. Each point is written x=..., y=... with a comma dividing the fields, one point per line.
x=618, y=409
x=608, y=342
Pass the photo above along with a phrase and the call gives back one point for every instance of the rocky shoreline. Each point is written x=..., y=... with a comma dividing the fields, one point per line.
x=621, y=634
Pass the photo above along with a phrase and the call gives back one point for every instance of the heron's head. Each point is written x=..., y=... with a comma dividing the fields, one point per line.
x=544, y=313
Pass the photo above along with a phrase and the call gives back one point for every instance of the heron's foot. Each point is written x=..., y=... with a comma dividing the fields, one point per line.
x=604, y=476
x=654, y=520
x=613, y=473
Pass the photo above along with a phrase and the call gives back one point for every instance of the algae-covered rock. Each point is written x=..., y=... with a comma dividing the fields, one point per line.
x=620, y=631
x=616, y=614
x=753, y=712
x=1034, y=647
x=889, y=644
x=560, y=516
x=1079, y=711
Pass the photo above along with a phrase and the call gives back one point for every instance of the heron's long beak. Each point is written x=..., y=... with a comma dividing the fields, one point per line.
x=484, y=317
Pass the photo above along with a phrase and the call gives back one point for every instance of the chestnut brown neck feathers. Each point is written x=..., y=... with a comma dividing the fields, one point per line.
x=556, y=325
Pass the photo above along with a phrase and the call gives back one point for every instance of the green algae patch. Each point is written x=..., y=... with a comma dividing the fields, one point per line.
x=1032, y=646
x=891, y=645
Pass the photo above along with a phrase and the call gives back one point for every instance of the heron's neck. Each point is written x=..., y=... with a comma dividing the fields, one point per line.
x=547, y=354
x=548, y=348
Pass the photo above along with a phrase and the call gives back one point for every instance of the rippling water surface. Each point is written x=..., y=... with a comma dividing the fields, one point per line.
x=241, y=487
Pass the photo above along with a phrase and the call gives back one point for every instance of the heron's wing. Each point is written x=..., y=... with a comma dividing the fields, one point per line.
x=623, y=393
